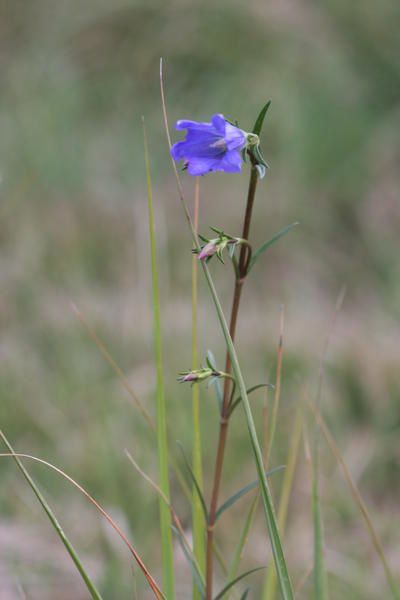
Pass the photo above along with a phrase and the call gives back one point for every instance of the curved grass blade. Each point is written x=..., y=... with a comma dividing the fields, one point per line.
x=53, y=520
x=195, y=483
x=167, y=551
x=243, y=491
x=235, y=581
x=156, y=590
x=249, y=391
x=256, y=255
x=127, y=386
x=260, y=119
x=197, y=577
x=245, y=594
x=177, y=525
x=269, y=512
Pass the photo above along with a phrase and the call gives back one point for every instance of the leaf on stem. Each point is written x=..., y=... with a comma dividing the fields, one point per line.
x=260, y=119
x=234, y=581
x=244, y=490
x=197, y=578
x=269, y=243
x=249, y=391
x=216, y=383
x=195, y=482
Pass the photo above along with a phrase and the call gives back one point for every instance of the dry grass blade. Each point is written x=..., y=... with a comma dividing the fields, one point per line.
x=152, y=583
x=124, y=380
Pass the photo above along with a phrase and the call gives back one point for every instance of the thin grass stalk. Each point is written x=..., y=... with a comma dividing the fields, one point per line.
x=156, y=590
x=94, y=593
x=197, y=511
x=277, y=394
x=270, y=585
x=165, y=516
x=358, y=499
x=272, y=526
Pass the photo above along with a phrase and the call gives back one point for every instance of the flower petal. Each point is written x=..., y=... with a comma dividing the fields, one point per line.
x=235, y=138
x=201, y=166
x=187, y=124
x=231, y=162
x=219, y=123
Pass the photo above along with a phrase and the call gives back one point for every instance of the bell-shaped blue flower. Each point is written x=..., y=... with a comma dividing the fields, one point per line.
x=214, y=146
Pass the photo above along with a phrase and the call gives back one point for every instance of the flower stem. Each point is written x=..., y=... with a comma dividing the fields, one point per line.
x=224, y=421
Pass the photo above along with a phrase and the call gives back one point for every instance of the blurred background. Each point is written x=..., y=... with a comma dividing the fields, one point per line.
x=75, y=80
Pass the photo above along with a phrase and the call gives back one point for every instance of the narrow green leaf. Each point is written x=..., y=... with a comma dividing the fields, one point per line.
x=235, y=581
x=260, y=119
x=243, y=491
x=245, y=594
x=195, y=483
x=197, y=576
x=270, y=242
x=249, y=391
x=216, y=383
x=54, y=522
x=162, y=443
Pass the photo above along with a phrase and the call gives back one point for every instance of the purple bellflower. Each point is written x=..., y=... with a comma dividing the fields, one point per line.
x=214, y=146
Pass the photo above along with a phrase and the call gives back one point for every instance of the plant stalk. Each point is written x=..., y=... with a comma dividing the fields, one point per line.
x=224, y=421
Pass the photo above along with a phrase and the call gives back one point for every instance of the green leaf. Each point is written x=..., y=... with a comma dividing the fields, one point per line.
x=260, y=119
x=216, y=383
x=195, y=483
x=234, y=581
x=245, y=594
x=270, y=242
x=197, y=577
x=244, y=490
x=249, y=391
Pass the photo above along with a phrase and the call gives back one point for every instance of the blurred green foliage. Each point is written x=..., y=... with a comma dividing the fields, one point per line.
x=76, y=78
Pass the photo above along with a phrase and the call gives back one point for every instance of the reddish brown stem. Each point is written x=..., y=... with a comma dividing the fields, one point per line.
x=223, y=429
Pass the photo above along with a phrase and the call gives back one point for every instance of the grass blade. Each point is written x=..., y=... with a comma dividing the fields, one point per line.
x=243, y=491
x=94, y=593
x=235, y=581
x=162, y=443
x=125, y=382
x=156, y=590
x=249, y=391
x=195, y=485
x=197, y=577
x=197, y=509
x=277, y=550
